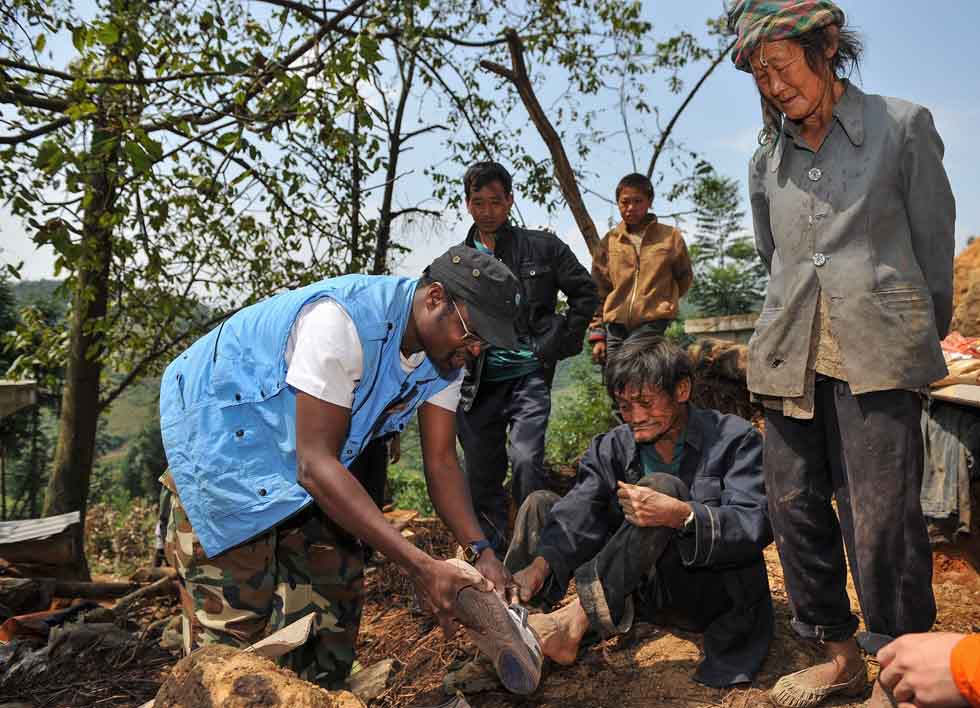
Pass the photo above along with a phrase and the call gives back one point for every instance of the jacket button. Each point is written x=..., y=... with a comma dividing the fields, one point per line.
x=348, y=452
x=775, y=363
x=239, y=433
x=815, y=174
x=533, y=272
x=819, y=259
x=262, y=492
x=238, y=396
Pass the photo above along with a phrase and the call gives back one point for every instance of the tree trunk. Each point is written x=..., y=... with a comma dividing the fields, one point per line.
x=383, y=241
x=519, y=77
x=69, y=484
x=34, y=471
x=357, y=259
x=3, y=482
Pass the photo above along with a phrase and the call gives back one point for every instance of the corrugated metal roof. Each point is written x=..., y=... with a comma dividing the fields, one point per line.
x=35, y=529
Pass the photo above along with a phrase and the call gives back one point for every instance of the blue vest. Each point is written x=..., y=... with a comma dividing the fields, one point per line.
x=228, y=418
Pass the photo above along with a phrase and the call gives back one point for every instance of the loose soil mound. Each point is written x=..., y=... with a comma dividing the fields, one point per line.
x=222, y=676
x=652, y=665
x=966, y=291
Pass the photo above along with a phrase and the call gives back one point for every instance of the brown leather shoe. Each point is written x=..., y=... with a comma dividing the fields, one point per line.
x=501, y=632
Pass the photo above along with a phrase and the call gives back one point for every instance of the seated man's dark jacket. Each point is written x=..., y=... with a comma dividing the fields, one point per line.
x=544, y=264
x=722, y=466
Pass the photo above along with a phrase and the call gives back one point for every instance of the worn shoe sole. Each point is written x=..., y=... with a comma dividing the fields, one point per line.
x=501, y=632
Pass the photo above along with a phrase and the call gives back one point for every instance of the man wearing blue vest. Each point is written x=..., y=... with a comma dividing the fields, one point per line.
x=263, y=420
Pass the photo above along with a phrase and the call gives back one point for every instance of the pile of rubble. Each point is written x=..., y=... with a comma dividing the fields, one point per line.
x=86, y=643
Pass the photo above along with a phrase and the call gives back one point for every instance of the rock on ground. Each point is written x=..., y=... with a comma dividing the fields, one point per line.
x=222, y=676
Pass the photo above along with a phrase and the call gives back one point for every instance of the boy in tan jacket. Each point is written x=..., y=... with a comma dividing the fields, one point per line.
x=641, y=269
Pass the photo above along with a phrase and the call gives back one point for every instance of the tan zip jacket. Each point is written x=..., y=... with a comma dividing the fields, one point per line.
x=636, y=289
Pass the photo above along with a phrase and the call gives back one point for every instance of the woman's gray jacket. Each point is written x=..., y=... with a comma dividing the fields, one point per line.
x=868, y=219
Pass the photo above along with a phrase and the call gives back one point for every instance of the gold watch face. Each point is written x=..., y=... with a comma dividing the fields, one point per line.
x=470, y=554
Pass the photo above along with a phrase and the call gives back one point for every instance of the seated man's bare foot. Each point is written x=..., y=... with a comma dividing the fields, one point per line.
x=561, y=632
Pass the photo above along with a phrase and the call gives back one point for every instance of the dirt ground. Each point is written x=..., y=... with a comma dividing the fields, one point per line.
x=650, y=666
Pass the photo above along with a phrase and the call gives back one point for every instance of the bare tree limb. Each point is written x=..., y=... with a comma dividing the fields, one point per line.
x=626, y=122
x=23, y=97
x=518, y=76
x=680, y=109
x=415, y=210
x=383, y=237
x=304, y=10
x=460, y=104
x=35, y=133
x=141, y=81
x=415, y=133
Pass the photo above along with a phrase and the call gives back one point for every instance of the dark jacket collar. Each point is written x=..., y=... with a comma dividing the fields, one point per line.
x=504, y=235
x=849, y=112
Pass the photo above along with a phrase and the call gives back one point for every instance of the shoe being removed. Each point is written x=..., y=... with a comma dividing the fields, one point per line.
x=501, y=632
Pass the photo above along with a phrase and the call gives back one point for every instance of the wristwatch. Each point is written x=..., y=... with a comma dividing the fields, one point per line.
x=473, y=549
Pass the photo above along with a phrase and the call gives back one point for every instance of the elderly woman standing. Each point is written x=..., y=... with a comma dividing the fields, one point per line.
x=854, y=220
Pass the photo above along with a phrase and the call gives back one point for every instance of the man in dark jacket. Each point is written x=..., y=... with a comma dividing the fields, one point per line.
x=668, y=514
x=506, y=396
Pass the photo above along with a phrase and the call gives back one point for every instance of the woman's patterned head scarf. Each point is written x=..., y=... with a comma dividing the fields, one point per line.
x=755, y=21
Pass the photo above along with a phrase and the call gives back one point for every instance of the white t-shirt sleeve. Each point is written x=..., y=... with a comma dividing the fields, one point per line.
x=448, y=397
x=323, y=353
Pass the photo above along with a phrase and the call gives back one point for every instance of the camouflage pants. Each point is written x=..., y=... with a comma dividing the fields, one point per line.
x=305, y=564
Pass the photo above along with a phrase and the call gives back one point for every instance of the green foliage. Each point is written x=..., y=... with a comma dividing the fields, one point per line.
x=580, y=411
x=409, y=490
x=185, y=159
x=145, y=461
x=731, y=289
x=729, y=278
x=675, y=333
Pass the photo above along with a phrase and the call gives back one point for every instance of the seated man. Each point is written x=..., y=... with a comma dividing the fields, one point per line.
x=668, y=514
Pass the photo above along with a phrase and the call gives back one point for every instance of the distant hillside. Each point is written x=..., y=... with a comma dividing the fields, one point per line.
x=31, y=292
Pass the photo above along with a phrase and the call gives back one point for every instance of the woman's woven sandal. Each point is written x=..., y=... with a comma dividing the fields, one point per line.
x=790, y=693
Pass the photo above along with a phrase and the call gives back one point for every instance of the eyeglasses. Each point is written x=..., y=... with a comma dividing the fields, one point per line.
x=468, y=336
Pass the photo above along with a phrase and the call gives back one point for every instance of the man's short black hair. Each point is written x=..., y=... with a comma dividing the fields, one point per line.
x=480, y=174
x=636, y=181
x=647, y=360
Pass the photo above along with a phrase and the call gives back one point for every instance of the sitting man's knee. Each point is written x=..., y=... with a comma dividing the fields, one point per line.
x=665, y=484
x=542, y=499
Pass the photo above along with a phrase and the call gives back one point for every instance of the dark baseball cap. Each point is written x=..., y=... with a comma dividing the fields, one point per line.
x=489, y=289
